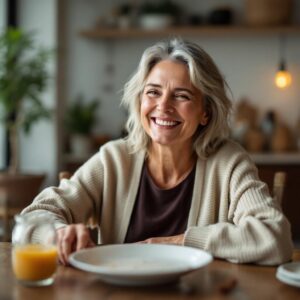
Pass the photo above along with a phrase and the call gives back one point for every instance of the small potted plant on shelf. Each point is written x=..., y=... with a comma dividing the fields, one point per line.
x=158, y=15
x=81, y=117
x=23, y=78
x=125, y=15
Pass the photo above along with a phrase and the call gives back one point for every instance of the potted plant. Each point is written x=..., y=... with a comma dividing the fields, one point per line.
x=81, y=117
x=23, y=78
x=158, y=15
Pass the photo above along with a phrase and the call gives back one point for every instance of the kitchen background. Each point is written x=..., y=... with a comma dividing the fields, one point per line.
x=98, y=67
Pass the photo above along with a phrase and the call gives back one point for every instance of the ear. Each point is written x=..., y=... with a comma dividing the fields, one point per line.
x=204, y=119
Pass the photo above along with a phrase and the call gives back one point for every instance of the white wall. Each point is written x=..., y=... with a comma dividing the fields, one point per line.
x=39, y=148
x=2, y=132
x=248, y=62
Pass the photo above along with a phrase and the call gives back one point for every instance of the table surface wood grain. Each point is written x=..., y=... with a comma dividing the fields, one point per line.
x=219, y=280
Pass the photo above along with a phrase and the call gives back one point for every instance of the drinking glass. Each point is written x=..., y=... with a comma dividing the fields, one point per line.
x=34, y=255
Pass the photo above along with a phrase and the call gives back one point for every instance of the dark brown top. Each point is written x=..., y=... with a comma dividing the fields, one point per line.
x=160, y=212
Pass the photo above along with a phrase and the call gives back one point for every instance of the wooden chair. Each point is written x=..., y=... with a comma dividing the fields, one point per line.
x=278, y=186
x=64, y=175
x=4, y=215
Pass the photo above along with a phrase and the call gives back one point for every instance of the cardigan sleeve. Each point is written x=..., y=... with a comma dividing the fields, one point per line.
x=75, y=199
x=256, y=230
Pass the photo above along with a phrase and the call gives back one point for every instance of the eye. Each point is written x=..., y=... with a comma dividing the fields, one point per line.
x=152, y=93
x=182, y=97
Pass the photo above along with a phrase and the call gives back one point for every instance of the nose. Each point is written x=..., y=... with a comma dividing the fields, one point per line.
x=165, y=103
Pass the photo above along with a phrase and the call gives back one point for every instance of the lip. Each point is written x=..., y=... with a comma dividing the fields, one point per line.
x=153, y=119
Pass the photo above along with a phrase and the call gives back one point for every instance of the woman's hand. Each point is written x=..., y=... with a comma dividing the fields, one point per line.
x=175, y=240
x=72, y=238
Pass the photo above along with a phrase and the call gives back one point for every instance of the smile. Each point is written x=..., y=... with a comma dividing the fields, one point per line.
x=166, y=123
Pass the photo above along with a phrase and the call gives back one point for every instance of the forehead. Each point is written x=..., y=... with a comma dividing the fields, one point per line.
x=168, y=70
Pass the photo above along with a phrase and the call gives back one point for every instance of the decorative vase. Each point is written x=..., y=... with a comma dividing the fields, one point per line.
x=254, y=140
x=268, y=12
x=281, y=139
x=155, y=21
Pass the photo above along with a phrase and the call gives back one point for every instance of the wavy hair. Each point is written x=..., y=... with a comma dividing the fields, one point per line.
x=204, y=75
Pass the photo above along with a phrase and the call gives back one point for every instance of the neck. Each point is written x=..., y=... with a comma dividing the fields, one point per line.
x=168, y=166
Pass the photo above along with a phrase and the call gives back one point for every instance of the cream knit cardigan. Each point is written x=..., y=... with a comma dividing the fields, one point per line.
x=232, y=214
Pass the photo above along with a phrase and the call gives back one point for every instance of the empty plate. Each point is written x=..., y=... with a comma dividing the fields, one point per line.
x=288, y=280
x=291, y=270
x=289, y=273
x=140, y=264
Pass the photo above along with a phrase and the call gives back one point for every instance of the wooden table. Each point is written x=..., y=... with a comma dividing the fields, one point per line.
x=219, y=280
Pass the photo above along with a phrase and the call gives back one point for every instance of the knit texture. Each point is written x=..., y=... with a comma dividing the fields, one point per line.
x=232, y=214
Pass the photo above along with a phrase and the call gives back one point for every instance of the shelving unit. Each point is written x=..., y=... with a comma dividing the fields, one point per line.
x=114, y=33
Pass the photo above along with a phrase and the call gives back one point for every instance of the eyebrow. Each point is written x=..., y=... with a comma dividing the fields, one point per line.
x=176, y=89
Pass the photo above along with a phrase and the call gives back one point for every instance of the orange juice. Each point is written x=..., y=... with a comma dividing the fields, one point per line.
x=34, y=262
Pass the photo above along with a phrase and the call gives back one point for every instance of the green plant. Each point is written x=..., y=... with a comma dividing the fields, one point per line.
x=125, y=9
x=81, y=115
x=166, y=7
x=23, y=78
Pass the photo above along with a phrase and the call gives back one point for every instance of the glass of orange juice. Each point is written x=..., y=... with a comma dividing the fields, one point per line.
x=34, y=256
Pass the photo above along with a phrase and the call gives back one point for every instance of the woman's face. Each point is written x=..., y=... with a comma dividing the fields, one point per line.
x=171, y=107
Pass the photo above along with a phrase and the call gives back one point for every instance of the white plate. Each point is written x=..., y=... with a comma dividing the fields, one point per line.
x=287, y=280
x=290, y=270
x=140, y=264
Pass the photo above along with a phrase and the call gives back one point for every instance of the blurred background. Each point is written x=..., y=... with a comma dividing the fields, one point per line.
x=97, y=45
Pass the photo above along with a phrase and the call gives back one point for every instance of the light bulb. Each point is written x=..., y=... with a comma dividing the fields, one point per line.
x=283, y=79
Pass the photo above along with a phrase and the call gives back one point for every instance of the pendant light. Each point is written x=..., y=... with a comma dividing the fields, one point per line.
x=283, y=78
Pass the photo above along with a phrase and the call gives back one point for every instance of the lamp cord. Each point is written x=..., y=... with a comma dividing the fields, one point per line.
x=282, y=49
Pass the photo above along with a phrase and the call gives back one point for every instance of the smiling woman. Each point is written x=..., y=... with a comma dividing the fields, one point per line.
x=176, y=178
x=171, y=108
x=171, y=111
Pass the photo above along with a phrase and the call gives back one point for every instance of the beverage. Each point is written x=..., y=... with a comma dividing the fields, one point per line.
x=34, y=262
x=34, y=256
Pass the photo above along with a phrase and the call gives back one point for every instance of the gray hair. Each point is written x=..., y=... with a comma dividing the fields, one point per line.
x=204, y=75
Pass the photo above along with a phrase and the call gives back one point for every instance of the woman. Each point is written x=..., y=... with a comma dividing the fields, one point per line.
x=176, y=178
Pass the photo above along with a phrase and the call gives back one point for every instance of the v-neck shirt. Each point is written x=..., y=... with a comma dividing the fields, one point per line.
x=160, y=212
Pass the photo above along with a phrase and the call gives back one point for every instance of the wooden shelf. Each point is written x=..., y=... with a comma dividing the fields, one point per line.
x=112, y=33
x=290, y=158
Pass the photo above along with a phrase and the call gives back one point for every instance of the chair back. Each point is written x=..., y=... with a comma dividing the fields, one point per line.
x=64, y=175
x=278, y=186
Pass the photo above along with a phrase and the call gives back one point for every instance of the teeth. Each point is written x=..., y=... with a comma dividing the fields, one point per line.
x=165, y=123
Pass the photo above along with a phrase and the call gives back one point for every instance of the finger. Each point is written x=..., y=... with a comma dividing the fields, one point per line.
x=148, y=241
x=68, y=241
x=60, y=234
x=83, y=237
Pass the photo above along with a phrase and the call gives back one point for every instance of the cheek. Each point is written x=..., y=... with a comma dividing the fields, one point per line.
x=192, y=112
x=145, y=107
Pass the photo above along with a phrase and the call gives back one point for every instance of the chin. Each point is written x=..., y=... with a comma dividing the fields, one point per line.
x=162, y=142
